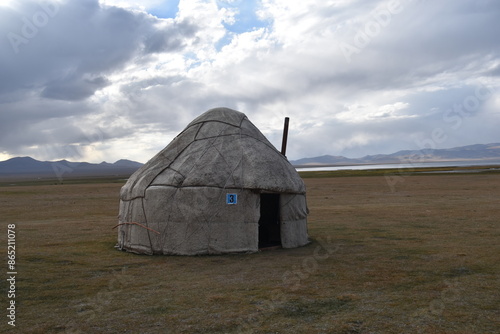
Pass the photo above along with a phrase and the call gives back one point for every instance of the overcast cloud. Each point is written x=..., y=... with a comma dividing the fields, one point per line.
x=105, y=80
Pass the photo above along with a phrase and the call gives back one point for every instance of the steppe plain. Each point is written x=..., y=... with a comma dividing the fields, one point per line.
x=404, y=253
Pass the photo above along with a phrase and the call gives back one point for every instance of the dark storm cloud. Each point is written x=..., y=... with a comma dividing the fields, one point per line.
x=57, y=53
x=80, y=68
x=424, y=39
x=71, y=89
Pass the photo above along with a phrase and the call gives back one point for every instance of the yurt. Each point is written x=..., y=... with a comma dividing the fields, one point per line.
x=219, y=187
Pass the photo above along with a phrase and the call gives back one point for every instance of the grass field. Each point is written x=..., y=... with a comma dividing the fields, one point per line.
x=421, y=256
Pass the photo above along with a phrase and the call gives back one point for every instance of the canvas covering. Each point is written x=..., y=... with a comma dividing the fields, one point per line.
x=176, y=202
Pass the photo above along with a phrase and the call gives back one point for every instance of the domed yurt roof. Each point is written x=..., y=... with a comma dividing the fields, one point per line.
x=178, y=202
x=220, y=148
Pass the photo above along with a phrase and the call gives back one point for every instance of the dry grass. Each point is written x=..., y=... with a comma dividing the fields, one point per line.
x=422, y=259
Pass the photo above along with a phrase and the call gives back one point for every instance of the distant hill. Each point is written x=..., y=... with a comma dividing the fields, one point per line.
x=29, y=168
x=463, y=153
x=26, y=167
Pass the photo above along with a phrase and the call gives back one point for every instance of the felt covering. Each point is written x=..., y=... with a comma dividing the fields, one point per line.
x=176, y=203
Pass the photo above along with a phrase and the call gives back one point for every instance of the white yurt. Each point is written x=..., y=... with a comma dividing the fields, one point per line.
x=219, y=187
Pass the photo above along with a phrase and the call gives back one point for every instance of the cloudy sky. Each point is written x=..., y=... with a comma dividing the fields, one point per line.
x=105, y=80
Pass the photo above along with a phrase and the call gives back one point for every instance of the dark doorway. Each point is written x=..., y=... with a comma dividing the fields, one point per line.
x=269, y=222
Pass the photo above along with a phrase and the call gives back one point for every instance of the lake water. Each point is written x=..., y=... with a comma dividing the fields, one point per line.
x=401, y=165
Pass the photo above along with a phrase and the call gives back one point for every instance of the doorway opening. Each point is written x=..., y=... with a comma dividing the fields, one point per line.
x=269, y=222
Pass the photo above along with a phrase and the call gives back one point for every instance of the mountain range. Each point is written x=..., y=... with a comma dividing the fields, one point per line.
x=463, y=153
x=26, y=167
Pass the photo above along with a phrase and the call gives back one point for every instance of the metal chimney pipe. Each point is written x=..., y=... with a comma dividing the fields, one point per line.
x=285, y=136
